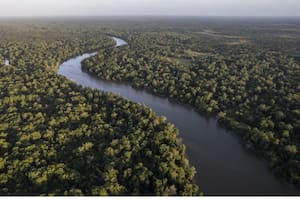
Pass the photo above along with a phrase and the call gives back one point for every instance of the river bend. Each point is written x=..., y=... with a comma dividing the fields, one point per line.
x=224, y=166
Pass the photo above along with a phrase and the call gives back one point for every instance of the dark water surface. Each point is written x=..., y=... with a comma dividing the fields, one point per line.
x=224, y=166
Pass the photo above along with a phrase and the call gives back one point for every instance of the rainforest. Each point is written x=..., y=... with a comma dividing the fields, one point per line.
x=149, y=106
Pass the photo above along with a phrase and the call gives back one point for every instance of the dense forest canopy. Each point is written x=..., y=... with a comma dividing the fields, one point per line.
x=57, y=138
x=246, y=73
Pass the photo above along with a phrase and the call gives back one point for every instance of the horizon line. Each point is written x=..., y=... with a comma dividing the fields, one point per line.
x=148, y=15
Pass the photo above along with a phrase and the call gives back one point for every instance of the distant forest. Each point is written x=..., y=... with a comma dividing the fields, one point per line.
x=58, y=138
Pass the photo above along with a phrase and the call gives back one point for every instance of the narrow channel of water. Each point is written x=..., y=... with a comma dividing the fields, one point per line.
x=223, y=166
x=6, y=61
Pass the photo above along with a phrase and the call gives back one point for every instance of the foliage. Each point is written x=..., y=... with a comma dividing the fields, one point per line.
x=244, y=73
x=58, y=138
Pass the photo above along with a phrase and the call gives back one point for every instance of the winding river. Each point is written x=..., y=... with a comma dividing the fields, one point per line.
x=224, y=166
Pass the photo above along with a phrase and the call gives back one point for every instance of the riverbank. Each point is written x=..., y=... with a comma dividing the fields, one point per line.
x=223, y=166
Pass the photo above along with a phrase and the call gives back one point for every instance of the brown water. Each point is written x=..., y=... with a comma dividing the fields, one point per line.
x=224, y=166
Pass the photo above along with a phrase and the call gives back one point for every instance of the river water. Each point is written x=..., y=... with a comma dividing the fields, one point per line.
x=224, y=166
x=6, y=61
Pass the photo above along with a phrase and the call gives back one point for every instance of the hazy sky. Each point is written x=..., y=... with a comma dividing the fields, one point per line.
x=150, y=7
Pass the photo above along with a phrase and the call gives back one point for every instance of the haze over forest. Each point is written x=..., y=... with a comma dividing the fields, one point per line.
x=150, y=7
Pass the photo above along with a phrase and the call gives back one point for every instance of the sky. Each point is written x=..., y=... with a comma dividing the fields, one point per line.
x=150, y=7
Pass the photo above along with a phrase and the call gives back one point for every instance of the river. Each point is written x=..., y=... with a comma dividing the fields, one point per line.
x=6, y=61
x=224, y=166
